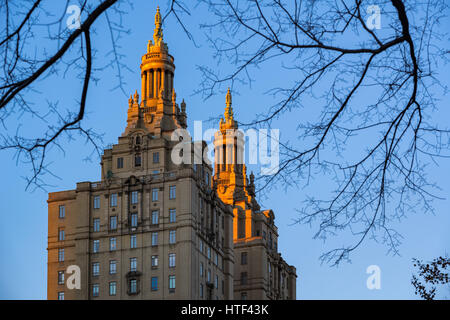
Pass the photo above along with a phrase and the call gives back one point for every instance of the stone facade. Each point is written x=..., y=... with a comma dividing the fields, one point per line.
x=153, y=229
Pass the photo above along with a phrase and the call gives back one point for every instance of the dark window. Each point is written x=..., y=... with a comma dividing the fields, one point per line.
x=156, y=157
x=119, y=163
x=243, y=278
x=60, y=277
x=137, y=160
x=243, y=257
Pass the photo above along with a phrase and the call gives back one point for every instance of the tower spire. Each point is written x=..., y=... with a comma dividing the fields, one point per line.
x=158, y=33
x=228, y=109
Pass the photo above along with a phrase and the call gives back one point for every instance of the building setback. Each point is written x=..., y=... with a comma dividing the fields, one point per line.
x=154, y=229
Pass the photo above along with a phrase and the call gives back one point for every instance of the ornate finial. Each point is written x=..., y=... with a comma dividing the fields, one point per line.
x=136, y=97
x=158, y=33
x=252, y=178
x=130, y=101
x=228, y=98
x=228, y=109
x=183, y=106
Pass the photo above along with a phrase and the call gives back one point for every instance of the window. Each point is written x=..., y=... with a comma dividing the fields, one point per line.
x=243, y=295
x=134, y=197
x=113, y=222
x=95, y=269
x=270, y=240
x=154, y=194
x=207, y=178
x=208, y=250
x=154, y=261
x=201, y=269
x=243, y=278
x=172, y=192
x=201, y=290
x=119, y=163
x=243, y=257
x=112, y=288
x=137, y=160
x=96, y=225
x=112, y=244
x=171, y=260
x=60, y=277
x=112, y=267
x=133, y=286
x=133, y=264
x=155, y=157
x=62, y=212
x=200, y=246
x=60, y=255
x=264, y=235
x=96, y=202
x=114, y=200
x=172, y=282
x=134, y=220
x=172, y=236
x=155, y=215
x=154, y=238
x=216, y=282
x=154, y=283
x=172, y=215
x=208, y=277
x=61, y=295
x=96, y=246
x=133, y=242
x=95, y=290
x=61, y=234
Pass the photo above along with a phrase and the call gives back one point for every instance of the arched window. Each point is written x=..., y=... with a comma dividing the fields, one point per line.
x=138, y=140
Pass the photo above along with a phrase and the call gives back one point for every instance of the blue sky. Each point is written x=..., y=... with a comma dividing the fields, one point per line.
x=23, y=230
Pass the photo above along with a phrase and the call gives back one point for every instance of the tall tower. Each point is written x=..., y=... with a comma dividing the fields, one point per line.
x=157, y=110
x=229, y=176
